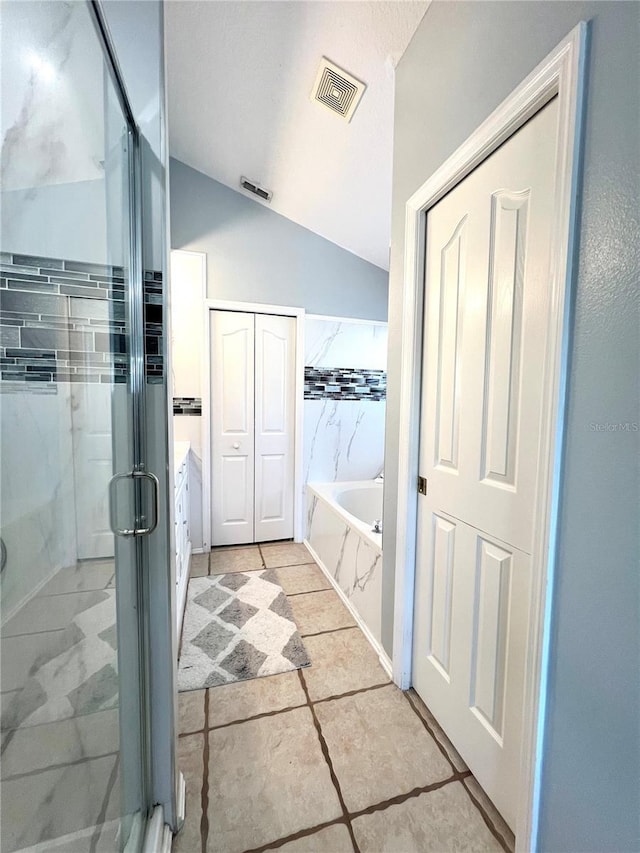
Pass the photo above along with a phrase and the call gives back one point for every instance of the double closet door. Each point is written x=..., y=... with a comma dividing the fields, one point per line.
x=252, y=426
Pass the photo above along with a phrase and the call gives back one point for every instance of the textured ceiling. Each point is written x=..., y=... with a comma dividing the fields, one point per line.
x=239, y=78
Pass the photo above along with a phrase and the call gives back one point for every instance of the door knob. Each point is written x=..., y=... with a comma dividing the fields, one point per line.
x=236, y=445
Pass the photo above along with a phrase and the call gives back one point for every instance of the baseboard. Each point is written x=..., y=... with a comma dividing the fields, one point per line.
x=385, y=661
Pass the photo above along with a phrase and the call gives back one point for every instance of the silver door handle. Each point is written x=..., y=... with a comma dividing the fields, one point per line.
x=135, y=531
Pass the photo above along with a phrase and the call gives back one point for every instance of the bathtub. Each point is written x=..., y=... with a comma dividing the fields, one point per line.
x=340, y=519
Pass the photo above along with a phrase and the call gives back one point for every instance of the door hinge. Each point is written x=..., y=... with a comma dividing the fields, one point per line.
x=422, y=485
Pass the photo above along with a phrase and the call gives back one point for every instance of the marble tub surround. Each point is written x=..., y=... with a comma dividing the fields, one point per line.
x=349, y=554
x=335, y=759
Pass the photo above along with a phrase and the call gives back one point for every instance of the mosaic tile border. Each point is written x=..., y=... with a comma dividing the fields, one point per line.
x=66, y=321
x=187, y=405
x=344, y=383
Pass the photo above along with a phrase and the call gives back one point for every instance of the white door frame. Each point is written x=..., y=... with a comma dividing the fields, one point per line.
x=562, y=73
x=252, y=308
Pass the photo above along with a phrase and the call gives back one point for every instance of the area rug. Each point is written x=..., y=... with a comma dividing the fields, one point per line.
x=237, y=626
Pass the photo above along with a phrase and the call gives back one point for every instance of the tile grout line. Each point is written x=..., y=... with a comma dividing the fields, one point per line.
x=284, y=710
x=306, y=591
x=250, y=719
x=349, y=693
x=331, y=631
x=428, y=728
x=302, y=833
x=494, y=831
x=325, y=751
x=490, y=825
x=204, y=820
x=410, y=795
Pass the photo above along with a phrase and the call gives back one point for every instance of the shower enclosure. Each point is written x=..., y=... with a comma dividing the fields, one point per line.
x=87, y=710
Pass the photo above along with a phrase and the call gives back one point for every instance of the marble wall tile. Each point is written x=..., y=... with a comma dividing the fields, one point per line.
x=37, y=489
x=330, y=343
x=343, y=440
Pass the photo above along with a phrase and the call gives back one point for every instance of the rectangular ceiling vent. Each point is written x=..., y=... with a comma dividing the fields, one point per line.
x=337, y=90
x=256, y=189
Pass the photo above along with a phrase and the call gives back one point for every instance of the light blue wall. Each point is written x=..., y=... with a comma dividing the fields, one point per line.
x=256, y=255
x=465, y=58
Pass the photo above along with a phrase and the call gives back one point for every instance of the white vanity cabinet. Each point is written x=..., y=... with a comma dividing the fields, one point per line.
x=182, y=526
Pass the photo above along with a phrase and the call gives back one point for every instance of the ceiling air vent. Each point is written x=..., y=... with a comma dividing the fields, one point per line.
x=336, y=90
x=256, y=189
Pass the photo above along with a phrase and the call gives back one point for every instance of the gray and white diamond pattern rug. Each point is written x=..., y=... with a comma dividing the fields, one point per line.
x=237, y=626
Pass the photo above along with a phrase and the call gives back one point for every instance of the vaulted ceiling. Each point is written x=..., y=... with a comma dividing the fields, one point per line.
x=240, y=74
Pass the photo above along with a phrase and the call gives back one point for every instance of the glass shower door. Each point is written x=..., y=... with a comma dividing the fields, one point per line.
x=72, y=638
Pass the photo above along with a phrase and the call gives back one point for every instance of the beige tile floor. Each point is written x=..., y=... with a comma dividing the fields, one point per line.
x=329, y=759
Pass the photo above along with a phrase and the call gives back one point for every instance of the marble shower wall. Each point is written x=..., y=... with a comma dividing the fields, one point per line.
x=37, y=485
x=63, y=328
x=344, y=438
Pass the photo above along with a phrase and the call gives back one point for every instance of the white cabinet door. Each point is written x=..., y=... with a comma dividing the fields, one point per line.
x=274, y=435
x=232, y=427
x=487, y=304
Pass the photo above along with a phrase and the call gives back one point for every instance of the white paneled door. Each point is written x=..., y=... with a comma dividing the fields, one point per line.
x=232, y=426
x=486, y=312
x=253, y=426
x=274, y=432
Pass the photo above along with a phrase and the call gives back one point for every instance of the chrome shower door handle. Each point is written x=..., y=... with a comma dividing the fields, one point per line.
x=134, y=475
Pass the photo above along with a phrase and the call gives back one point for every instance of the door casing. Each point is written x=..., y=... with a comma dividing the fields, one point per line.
x=561, y=74
x=252, y=308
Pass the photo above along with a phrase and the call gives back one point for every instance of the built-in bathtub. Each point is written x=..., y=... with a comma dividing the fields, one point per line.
x=340, y=520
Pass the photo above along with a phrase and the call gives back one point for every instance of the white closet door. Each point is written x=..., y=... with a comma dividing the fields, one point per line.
x=275, y=420
x=487, y=309
x=232, y=427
